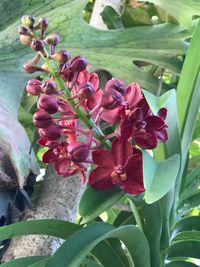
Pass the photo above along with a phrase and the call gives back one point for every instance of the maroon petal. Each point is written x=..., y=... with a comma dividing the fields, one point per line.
x=121, y=150
x=62, y=166
x=94, y=79
x=162, y=135
x=95, y=99
x=155, y=123
x=143, y=139
x=162, y=113
x=103, y=158
x=134, y=183
x=49, y=156
x=111, y=116
x=125, y=130
x=100, y=178
x=133, y=95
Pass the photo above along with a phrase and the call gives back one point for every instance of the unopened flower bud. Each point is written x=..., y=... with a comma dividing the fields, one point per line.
x=85, y=91
x=33, y=87
x=118, y=85
x=23, y=30
x=43, y=23
x=28, y=21
x=52, y=132
x=111, y=99
x=37, y=45
x=61, y=56
x=78, y=64
x=52, y=39
x=25, y=39
x=29, y=68
x=49, y=87
x=42, y=119
x=48, y=103
x=79, y=151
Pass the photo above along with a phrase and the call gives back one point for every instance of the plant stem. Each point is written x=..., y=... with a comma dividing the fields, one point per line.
x=81, y=114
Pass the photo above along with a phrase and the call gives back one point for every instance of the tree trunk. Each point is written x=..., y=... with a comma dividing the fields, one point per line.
x=59, y=199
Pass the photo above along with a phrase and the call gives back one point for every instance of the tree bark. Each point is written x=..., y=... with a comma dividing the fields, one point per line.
x=59, y=199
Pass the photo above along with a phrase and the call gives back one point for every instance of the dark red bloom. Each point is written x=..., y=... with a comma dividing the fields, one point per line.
x=42, y=119
x=65, y=159
x=121, y=166
x=33, y=87
x=146, y=129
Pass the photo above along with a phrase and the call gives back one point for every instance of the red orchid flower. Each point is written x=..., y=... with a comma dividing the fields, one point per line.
x=66, y=158
x=121, y=166
x=132, y=95
x=146, y=129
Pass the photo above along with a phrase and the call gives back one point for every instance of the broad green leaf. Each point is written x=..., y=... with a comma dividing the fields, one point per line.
x=179, y=263
x=189, y=201
x=182, y=10
x=94, y=202
x=186, y=248
x=111, y=18
x=159, y=177
x=24, y=262
x=149, y=220
x=57, y=228
x=41, y=263
x=124, y=218
x=91, y=263
x=107, y=256
x=124, y=45
x=187, y=224
x=187, y=235
x=188, y=89
x=76, y=248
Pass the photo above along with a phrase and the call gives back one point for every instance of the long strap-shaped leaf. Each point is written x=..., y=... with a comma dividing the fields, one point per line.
x=79, y=245
x=24, y=262
x=57, y=228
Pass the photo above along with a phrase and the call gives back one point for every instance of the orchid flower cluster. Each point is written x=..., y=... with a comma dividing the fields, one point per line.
x=71, y=103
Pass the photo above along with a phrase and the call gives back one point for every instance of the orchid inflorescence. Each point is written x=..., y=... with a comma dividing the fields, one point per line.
x=71, y=103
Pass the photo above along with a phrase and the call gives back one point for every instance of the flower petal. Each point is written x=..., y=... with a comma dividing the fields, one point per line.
x=121, y=150
x=100, y=178
x=162, y=135
x=134, y=183
x=103, y=158
x=155, y=123
x=94, y=79
x=95, y=99
x=133, y=95
x=49, y=156
x=162, y=113
x=145, y=139
x=111, y=116
x=62, y=166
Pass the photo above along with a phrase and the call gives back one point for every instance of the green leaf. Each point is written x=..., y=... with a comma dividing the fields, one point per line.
x=127, y=45
x=187, y=224
x=107, y=256
x=94, y=202
x=182, y=10
x=159, y=177
x=149, y=220
x=111, y=18
x=186, y=248
x=189, y=91
x=91, y=263
x=124, y=218
x=179, y=263
x=24, y=262
x=77, y=247
x=57, y=228
x=187, y=235
x=41, y=263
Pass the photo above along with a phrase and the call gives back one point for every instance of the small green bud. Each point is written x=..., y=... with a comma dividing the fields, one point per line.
x=28, y=21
